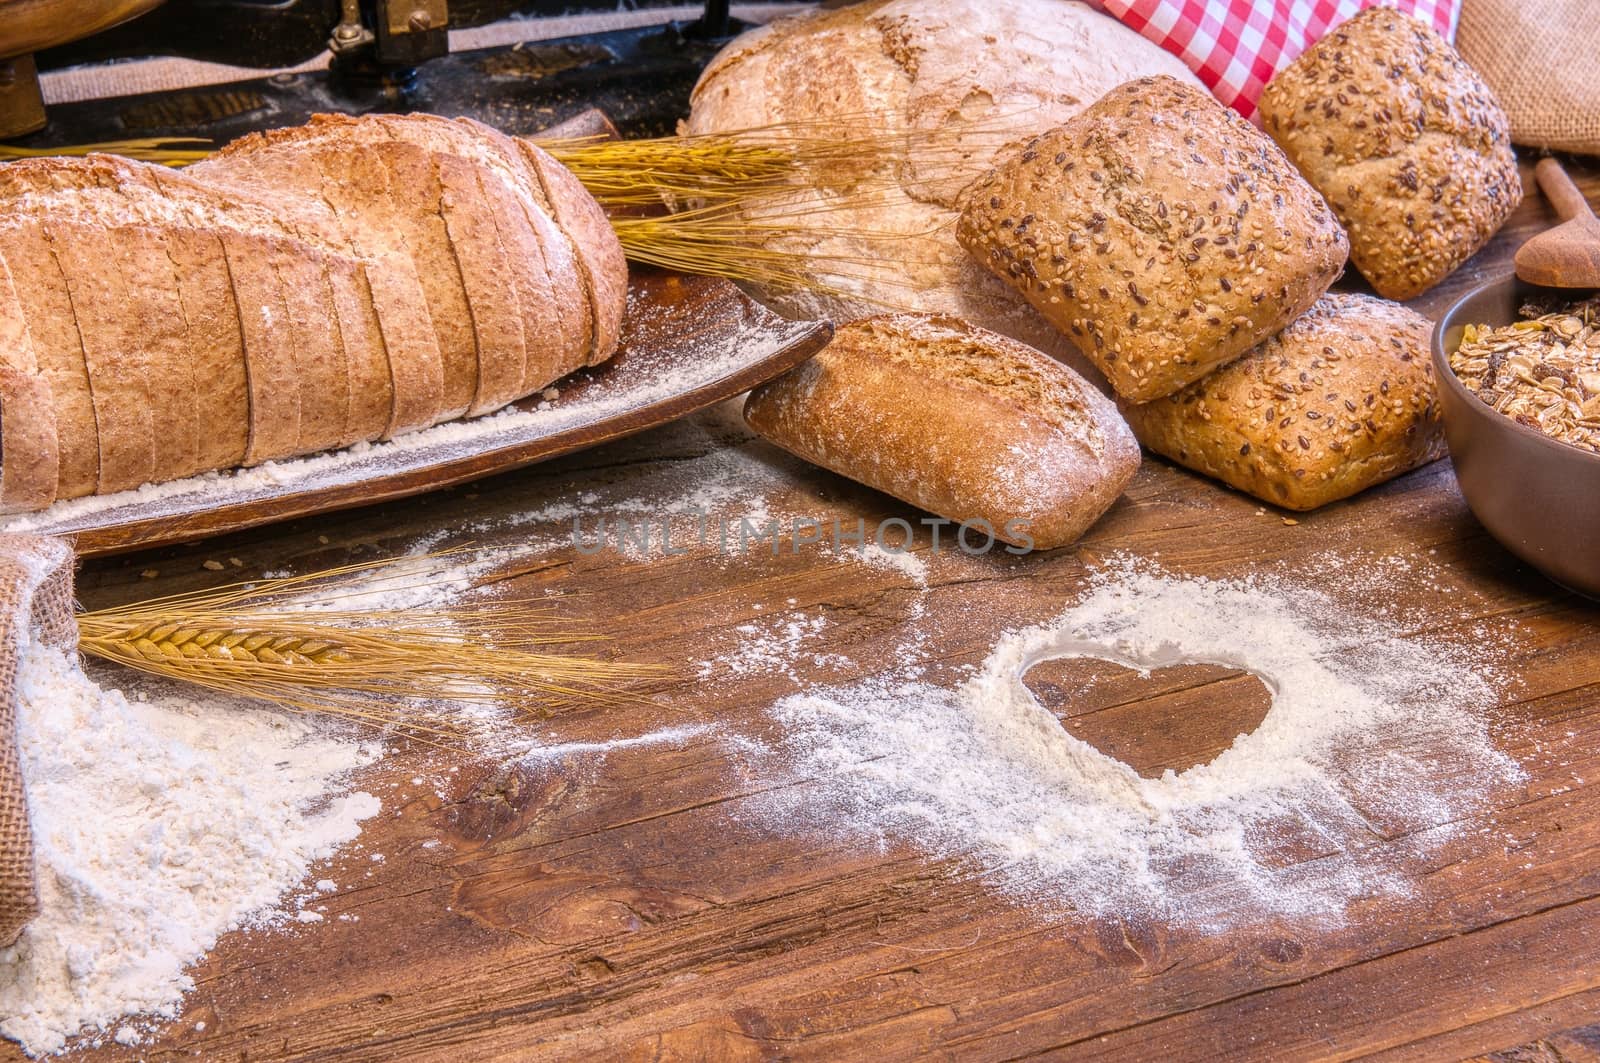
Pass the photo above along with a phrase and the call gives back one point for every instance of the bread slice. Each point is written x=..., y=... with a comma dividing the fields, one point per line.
x=495, y=293
x=416, y=193
x=113, y=352
x=369, y=388
x=1342, y=399
x=963, y=422
x=488, y=276
x=126, y=198
x=572, y=323
x=29, y=449
x=319, y=360
x=600, y=259
x=58, y=351
x=154, y=315
x=359, y=182
x=221, y=390
x=270, y=362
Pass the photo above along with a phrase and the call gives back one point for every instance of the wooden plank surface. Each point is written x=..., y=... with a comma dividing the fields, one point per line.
x=621, y=907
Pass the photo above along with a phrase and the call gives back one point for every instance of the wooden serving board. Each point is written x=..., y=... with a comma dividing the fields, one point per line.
x=688, y=342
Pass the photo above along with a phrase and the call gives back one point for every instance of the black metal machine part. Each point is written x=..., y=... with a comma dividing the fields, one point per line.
x=640, y=77
x=279, y=33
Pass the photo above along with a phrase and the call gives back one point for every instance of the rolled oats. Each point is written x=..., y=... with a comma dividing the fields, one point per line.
x=1542, y=371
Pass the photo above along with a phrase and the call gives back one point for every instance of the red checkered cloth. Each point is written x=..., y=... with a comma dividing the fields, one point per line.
x=1235, y=46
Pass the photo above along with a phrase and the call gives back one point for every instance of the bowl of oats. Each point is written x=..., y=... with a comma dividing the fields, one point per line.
x=1519, y=387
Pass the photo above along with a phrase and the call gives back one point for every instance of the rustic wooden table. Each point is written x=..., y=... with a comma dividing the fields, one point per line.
x=619, y=906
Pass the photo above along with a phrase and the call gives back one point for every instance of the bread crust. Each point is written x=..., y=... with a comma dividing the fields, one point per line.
x=1340, y=400
x=1406, y=141
x=1159, y=231
x=960, y=421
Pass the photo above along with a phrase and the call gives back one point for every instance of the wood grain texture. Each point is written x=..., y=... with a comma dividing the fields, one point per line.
x=621, y=908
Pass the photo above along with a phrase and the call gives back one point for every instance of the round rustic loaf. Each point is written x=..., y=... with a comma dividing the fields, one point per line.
x=973, y=78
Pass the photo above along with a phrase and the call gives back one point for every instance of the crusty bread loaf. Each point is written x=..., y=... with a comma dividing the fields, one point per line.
x=1340, y=400
x=1406, y=141
x=1159, y=230
x=301, y=290
x=962, y=80
x=960, y=421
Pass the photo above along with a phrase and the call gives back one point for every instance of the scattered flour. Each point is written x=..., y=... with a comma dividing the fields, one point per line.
x=772, y=645
x=1373, y=736
x=904, y=562
x=158, y=826
x=666, y=736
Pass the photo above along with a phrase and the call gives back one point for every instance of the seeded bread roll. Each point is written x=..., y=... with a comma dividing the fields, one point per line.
x=1339, y=401
x=963, y=422
x=1159, y=230
x=1406, y=141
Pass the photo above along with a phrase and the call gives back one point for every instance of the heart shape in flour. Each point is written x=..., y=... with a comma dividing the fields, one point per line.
x=1374, y=746
x=1306, y=695
x=1152, y=719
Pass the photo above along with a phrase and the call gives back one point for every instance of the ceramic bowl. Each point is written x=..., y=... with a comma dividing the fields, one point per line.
x=1538, y=497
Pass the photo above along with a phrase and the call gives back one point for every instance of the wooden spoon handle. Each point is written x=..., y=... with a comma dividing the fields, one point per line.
x=1563, y=194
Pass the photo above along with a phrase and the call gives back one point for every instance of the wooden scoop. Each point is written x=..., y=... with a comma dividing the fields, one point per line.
x=1567, y=256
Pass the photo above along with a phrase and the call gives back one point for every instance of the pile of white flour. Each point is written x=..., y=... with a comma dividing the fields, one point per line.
x=1374, y=739
x=158, y=826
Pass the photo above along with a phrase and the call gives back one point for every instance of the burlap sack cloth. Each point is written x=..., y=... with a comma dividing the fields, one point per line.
x=1539, y=57
x=35, y=606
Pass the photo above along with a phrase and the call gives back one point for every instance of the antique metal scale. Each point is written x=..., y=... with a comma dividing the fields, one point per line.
x=387, y=55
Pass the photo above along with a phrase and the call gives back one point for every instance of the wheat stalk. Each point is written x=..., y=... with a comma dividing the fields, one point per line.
x=152, y=149
x=274, y=641
x=724, y=204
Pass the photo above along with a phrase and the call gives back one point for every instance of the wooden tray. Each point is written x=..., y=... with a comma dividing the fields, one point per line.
x=688, y=342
